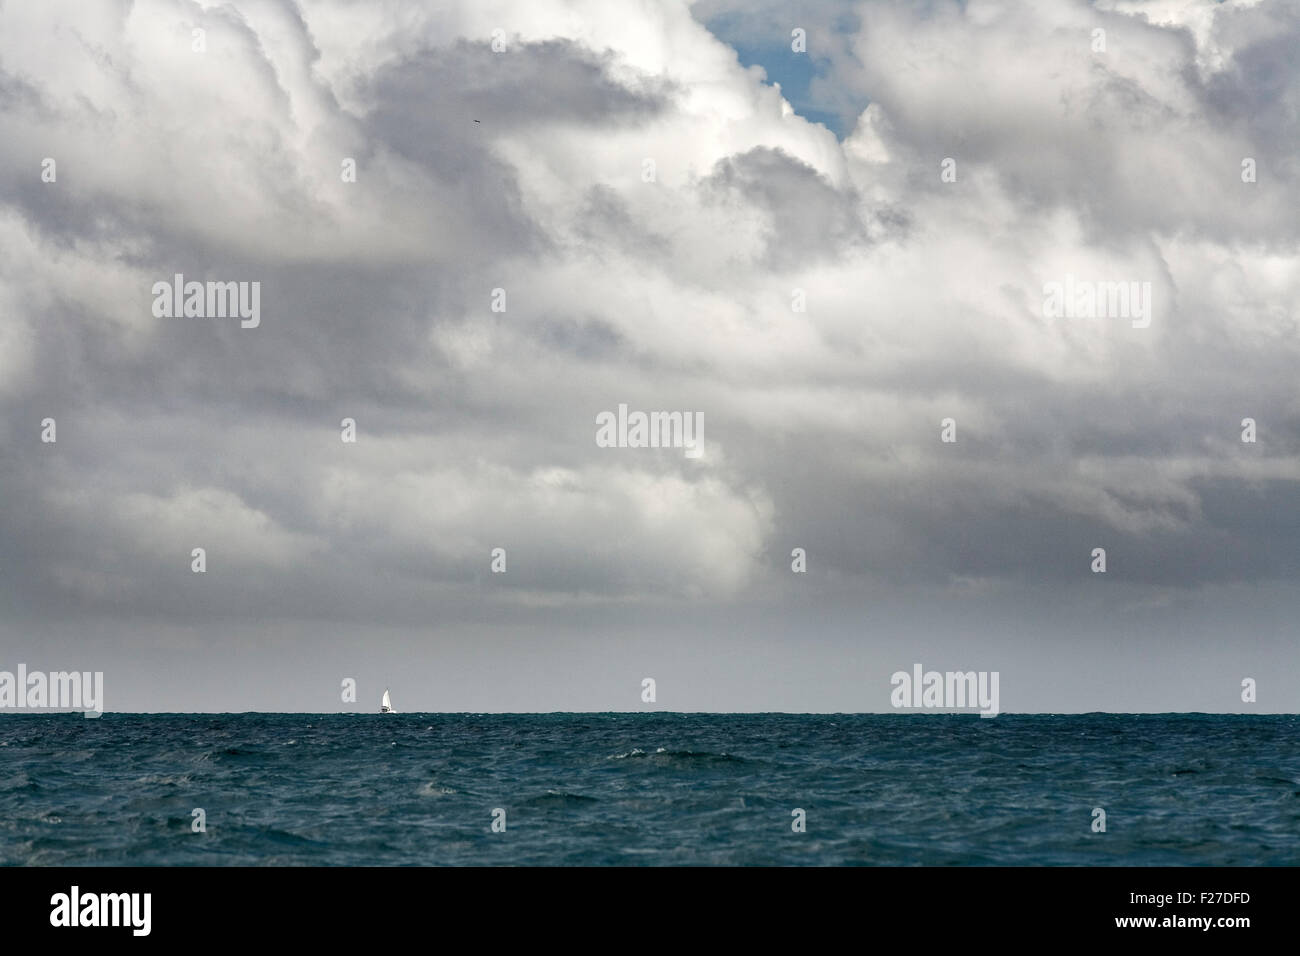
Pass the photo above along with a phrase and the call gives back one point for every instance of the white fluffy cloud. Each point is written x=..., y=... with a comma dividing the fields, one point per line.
x=524, y=170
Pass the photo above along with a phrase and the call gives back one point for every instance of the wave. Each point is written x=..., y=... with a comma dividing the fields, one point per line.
x=686, y=757
x=435, y=789
x=559, y=799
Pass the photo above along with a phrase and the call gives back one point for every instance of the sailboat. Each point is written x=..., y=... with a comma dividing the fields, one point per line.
x=386, y=706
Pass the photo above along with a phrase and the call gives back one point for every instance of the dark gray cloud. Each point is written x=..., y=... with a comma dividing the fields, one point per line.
x=809, y=218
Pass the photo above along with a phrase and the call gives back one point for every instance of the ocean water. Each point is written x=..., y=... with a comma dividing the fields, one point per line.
x=649, y=789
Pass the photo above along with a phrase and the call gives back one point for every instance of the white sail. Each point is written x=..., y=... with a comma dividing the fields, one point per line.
x=387, y=706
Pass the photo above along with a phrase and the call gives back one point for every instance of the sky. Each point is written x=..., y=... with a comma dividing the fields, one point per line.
x=559, y=208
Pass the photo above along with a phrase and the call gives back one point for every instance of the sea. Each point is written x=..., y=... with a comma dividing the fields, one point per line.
x=649, y=789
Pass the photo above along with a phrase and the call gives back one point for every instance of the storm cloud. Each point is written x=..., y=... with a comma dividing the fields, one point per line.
x=561, y=207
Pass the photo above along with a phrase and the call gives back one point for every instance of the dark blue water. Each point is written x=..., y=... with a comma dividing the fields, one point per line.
x=649, y=789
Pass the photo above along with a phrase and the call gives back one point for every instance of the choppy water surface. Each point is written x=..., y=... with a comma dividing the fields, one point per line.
x=602, y=789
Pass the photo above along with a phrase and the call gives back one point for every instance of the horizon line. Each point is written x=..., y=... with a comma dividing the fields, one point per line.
x=909, y=712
